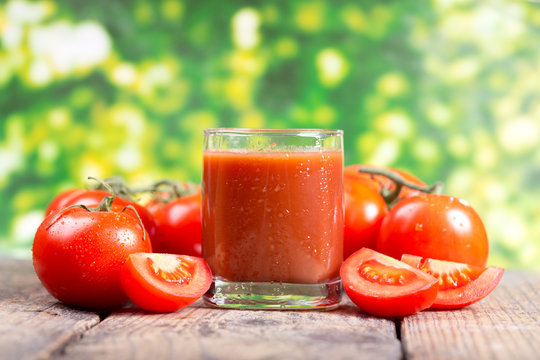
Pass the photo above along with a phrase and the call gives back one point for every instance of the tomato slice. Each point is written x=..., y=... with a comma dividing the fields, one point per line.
x=459, y=284
x=165, y=282
x=384, y=286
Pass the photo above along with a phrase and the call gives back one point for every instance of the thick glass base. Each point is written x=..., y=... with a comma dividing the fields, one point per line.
x=274, y=295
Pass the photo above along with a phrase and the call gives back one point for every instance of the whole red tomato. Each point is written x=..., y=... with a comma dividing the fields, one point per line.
x=92, y=198
x=364, y=213
x=379, y=182
x=435, y=226
x=78, y=255
x=179, y=228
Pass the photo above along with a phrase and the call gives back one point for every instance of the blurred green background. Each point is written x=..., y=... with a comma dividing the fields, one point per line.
x=448, y=90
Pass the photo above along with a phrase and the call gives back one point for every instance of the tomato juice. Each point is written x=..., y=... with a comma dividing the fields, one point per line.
x=273, y=216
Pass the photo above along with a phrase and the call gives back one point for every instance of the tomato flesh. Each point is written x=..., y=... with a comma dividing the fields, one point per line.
x=171, y=270
x=382, y=274
x=459, y=284
x=383, y=286
x=165, y=282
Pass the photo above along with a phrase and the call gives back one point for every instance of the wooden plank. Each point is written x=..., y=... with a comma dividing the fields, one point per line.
x=33, y=325
x=505, y=325
x=199, y=332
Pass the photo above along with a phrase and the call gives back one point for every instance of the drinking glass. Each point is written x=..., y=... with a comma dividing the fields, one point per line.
x=272, y=216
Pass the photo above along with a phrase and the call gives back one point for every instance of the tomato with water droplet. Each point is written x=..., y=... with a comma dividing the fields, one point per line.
x=78, y=255
x=436, y=226
x=165, y=282
x=92, y=198
x=179, y=225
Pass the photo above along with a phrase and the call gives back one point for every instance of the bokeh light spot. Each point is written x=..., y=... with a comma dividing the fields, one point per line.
x=354, y=18
x=238, y=92
x=332, y=66
x=252, y=119
x=69, y=48
x=172, y=9
x=426, y=150
x=25, y=226
x=392, y=84
x=324, y=115
x=245, y=25
x=519, y=135
x=28, y=12
x=124, y=74
x=459, y=146
x=40, y=73
x=439, y=114
x=309, y=16
x=395, y=123
x=128, y=157
x=59, y=118
x=48, y=151
x=386, y=152
x=462, y=70
x=286, y=47
x=143, y=12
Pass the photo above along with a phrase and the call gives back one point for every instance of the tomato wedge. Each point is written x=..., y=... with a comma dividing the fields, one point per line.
x=383, y=286
x=165, y=282
x=459, y=284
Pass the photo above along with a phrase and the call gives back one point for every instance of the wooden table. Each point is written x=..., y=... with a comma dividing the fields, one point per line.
x=33, y=325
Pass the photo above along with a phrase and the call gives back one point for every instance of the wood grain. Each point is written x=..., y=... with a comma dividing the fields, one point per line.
x=505, y=325
x=199, y=332
x=33, y=325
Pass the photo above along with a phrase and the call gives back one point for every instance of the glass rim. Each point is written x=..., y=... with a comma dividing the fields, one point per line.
x=247, y=131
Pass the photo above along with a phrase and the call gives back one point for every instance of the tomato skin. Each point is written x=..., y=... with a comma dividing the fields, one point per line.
x=363, y=272
x=378, y=182
x=151, y=292
x=179, y=227
x=435, y=226
x=468, y=284
x=78, y=258
x=92, y=198
x=364, y=211
x=60, y=200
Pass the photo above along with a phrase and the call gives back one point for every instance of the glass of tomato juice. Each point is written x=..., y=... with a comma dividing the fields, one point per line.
x=272, y=217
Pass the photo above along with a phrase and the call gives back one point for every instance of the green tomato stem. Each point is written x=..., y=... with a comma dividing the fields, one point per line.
x=399, y=181
x=106, y=203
